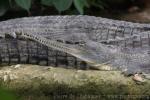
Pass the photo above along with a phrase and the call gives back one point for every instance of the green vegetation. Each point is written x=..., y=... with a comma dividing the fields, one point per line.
x=70, y=6
x=6, y=95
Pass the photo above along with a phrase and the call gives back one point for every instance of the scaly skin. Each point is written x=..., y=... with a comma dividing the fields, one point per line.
x=95, y=54
x=73, y=30
x=14, y=51
x=64, y=27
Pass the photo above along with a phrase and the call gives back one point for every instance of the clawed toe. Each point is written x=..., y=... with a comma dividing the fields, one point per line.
x=138, y=78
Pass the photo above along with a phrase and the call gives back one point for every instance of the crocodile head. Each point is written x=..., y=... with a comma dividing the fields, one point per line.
x=94, y=53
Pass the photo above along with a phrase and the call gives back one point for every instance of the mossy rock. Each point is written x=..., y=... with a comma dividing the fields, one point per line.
x=44, y=83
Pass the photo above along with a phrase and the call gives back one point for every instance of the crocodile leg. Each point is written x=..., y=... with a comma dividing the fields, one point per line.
x=137, y=77
x=136, y=71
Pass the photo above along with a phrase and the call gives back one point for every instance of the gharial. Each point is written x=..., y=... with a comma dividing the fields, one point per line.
x=95, y=40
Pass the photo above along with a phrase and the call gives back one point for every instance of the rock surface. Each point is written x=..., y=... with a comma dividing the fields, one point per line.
x=41, y=82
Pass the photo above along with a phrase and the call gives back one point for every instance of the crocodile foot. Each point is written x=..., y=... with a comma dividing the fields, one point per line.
x=138, y=78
